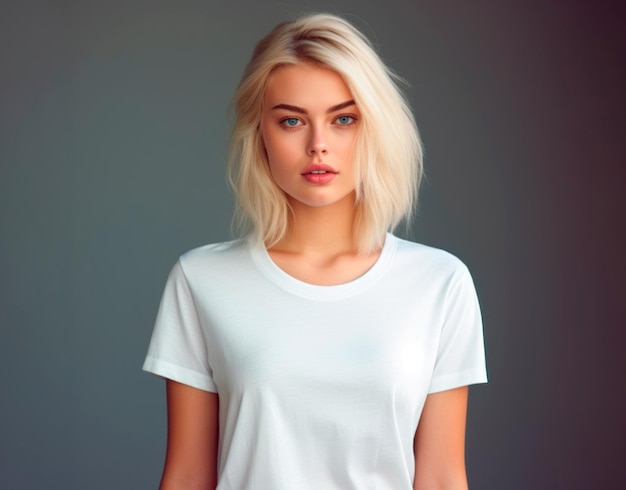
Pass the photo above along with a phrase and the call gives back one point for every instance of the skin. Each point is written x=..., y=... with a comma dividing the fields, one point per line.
x=318, y=247
x=439, y=443
x=307, y=112
x=192, y=438
x=309, y=118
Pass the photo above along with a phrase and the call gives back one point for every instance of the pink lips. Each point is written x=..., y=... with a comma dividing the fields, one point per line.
x=319, y=173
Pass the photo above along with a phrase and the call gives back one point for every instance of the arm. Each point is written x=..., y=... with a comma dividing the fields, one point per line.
x=439, y=444
x=192, y=438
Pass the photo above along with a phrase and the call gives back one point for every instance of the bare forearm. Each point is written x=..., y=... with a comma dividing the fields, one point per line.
x=172, y=482
x=452, y=484
x=192, y=439
x=440, y=442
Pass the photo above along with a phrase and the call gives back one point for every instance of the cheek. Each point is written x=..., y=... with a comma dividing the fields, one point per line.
x=272, y=155
x=271, y=142
x=348, y=150
x=275, y=154
x=281, y=149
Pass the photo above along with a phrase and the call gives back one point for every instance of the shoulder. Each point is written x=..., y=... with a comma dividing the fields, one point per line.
x=214, y=258
x=429, y=260
x=212, y=251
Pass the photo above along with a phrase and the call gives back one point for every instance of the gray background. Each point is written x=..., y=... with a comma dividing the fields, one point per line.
x=113, y=132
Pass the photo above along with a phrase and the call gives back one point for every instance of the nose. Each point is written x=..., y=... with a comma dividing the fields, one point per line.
x=317, y=145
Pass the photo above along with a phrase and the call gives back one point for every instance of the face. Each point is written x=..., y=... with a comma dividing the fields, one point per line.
x=309, y=125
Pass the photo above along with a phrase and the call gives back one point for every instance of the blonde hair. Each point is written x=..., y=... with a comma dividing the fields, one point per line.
x=388, y=151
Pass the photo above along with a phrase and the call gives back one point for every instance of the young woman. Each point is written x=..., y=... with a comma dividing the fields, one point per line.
x=318, y=351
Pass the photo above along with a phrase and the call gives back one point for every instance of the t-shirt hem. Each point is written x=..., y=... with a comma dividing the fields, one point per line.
x=456, y=380
x=179, y=374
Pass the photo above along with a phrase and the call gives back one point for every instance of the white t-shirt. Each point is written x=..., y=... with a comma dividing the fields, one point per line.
x=320, y=387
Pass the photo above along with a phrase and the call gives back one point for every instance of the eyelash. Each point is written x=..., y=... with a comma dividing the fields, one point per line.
x=283, y=121
x=353, y=119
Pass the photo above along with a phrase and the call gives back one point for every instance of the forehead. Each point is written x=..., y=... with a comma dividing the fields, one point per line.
x=304, y=85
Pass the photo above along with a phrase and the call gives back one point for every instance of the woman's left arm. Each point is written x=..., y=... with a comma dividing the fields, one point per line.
x=439, y=444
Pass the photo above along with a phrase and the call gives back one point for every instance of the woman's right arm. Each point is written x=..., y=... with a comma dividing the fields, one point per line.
x=192, y=438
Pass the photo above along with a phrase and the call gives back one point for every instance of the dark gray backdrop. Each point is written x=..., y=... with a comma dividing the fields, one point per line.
x=113, y=135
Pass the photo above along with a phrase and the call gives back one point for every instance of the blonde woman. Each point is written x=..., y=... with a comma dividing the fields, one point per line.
x=318, y=351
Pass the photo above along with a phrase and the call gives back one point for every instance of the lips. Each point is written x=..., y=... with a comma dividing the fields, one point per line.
x=319, y=173
x=319, y=168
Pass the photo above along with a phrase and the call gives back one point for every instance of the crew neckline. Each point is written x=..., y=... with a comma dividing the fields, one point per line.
x=295, y=286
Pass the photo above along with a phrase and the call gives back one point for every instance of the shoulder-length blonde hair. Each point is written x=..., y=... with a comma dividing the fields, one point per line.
x=388, y=151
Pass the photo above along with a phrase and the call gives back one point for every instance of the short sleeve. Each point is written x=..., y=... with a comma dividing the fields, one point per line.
x=178, y=348
x=461, y=351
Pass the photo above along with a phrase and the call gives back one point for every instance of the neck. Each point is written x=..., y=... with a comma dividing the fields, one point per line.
x=321, y=230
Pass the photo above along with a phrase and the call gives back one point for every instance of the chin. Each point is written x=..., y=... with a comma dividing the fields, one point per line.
x=322, y=201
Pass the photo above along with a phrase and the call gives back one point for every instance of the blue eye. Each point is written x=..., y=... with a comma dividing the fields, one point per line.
x=345, y=120
x=290, y=122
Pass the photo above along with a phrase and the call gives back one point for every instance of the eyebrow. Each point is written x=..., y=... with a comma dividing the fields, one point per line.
x=300, y=110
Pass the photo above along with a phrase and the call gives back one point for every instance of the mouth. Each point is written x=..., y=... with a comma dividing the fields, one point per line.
x=319, y=174
x=319, y=169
